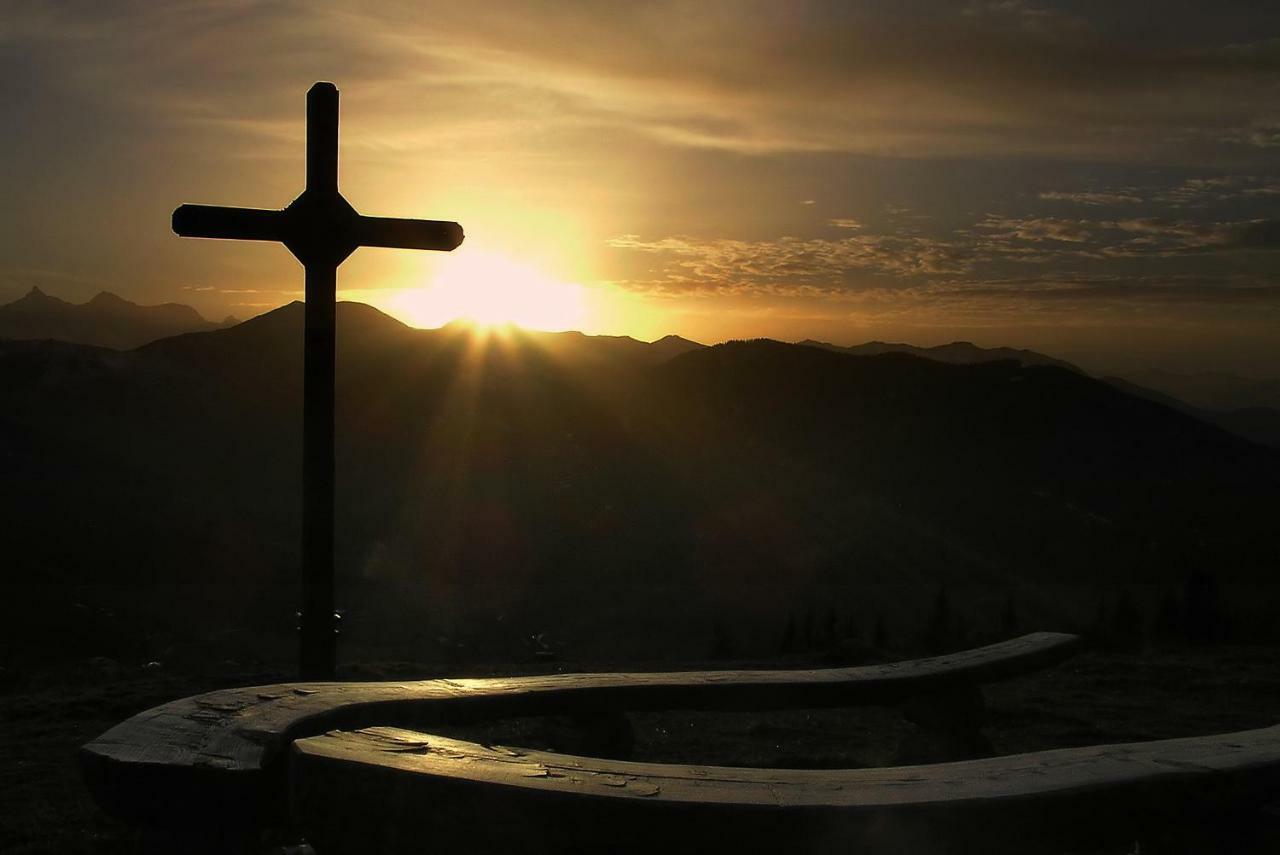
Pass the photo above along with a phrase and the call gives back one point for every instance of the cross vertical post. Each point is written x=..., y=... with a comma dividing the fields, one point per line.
x=318, y=642
x=322, y=138
x=317, y=650
x=321, y=229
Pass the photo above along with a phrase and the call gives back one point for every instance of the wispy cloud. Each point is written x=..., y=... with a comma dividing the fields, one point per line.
x=968, y=258
x=1093, y=197
x=1139, y=236
x=789, y=264
x=990, y=77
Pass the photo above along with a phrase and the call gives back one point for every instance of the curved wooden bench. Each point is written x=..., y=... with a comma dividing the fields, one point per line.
x=377, y=790
x=221, y=758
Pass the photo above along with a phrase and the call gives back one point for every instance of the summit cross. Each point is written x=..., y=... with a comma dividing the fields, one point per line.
x=321, y=229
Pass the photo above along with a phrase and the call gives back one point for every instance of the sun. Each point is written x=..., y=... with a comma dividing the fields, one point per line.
x=490, y=289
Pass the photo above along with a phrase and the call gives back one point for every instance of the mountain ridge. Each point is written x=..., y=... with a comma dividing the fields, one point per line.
x=558, y=459
x=957, y=352
x=105, y=320
x=1258, y=423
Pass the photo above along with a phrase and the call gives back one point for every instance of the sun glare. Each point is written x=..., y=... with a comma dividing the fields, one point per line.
x=489, y=290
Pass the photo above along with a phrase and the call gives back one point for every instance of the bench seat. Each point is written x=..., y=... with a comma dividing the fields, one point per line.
x=222, y=757
x=389, y=790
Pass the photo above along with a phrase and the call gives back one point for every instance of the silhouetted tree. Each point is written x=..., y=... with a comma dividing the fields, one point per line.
x=721, y=643
x=1009, y=623
x=830, y=630
x=880, y=635
x=851, y=629
x=1100, y=632
x=787, y=644
x=1127, y=624
x=1202, y=609
x=1169, y=619
x=938, y=629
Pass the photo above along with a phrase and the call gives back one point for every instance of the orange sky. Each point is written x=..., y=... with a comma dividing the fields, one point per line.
x=1065, y=176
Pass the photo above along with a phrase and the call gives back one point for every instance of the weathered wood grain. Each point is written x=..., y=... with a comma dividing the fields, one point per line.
x=371, y=791
x=222, y=756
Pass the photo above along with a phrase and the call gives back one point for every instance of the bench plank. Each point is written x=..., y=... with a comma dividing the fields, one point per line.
x=541, y=801
x=223, y=754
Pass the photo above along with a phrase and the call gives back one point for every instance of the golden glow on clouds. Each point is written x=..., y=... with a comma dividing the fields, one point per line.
x=605, y=165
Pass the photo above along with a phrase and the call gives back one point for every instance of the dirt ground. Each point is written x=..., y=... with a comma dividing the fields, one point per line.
x=1097, y=697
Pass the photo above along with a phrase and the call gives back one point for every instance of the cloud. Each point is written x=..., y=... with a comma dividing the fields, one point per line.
x=863, y=261
x=789, y=264
x=988, y=79
x=1011, y=237
x=1093, y=197
x=1258, y=234
x=1180, y=289
x=1203, y=191
x=1003, y=230
x=1190, y=191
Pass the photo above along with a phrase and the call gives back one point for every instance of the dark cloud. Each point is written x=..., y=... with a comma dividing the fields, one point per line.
x=912, y=78
x=1143, y=290
x=1136, y=236
x=1260, y=234
x=1093, y=197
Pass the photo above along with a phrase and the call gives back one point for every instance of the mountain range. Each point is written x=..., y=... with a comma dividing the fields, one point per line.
x=534, y=469
x=1249, y=408
x=104, y=321
x=957, y=353
x=1246, y=407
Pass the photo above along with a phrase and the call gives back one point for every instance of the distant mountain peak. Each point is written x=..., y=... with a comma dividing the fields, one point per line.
x=106, y=298
x=349, y=314
x=36, y=297
x=107, y=320
x=671, y=346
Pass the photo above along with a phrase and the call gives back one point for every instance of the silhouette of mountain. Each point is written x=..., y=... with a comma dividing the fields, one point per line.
x=1216, y=391
x=104, y=321
x=671, y=346
x=1259, y=424
x=625, y=348
x=957, y=353
x=521, y=472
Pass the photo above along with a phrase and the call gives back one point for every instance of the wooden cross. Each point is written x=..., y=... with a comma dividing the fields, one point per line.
x=321, y=229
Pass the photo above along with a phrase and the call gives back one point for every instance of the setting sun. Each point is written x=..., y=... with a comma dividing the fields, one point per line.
x=491, y=289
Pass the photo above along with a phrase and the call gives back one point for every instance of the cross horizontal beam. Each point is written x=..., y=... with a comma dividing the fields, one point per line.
x=408, y=234
x=212, y=221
